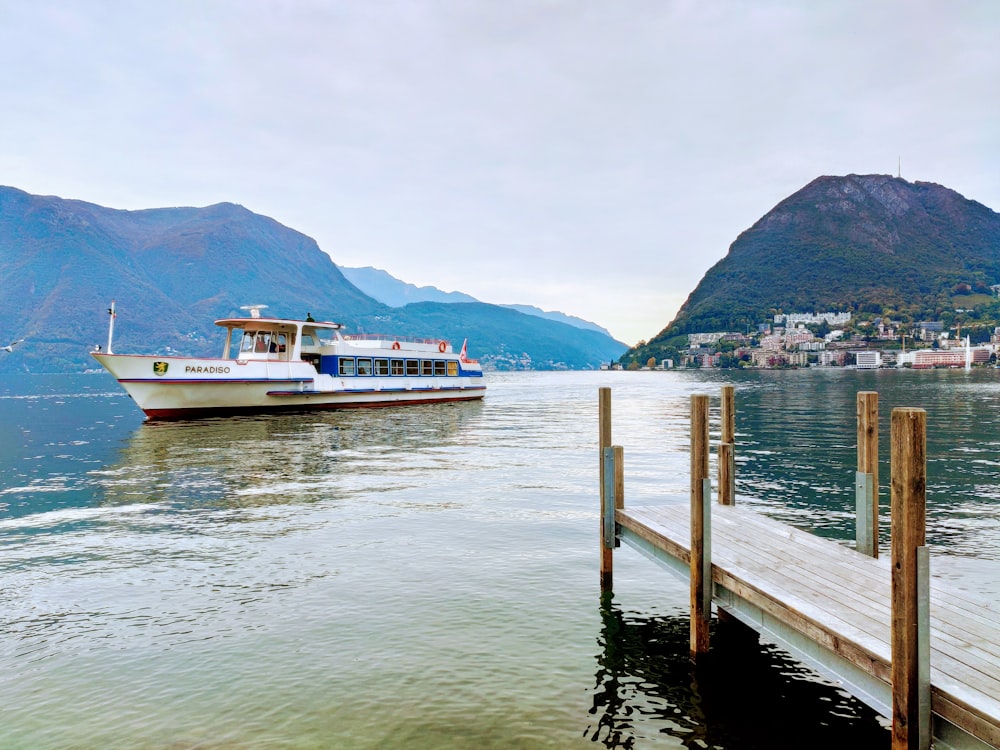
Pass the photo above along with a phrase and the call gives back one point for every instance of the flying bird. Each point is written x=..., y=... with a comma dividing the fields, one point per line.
x=11, y=345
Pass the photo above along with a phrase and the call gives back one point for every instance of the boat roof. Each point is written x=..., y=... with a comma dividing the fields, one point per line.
x=262, y=322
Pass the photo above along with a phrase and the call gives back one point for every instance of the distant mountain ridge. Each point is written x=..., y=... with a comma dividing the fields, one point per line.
x=394, y=292
x=865, y=243
x=173, y=271
x=384, y=287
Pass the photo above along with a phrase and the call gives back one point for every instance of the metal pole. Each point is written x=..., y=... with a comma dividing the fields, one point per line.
x=111, y=324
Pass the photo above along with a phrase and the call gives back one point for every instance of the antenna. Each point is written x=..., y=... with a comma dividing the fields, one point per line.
x=254, y=309
x=899, y=167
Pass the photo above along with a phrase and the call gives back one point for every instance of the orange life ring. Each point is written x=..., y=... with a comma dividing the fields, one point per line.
x=442, y=347
x=395, y=344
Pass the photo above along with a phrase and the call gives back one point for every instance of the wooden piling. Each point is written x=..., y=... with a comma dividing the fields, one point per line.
x=727, y=447
x=867, y=499
x=604, y=441
x=908, y=497
x=700, y=613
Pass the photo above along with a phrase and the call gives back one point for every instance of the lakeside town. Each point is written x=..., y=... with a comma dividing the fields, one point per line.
x=835, y=339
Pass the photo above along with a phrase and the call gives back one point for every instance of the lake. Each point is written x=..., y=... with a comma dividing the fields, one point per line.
x=427, y=577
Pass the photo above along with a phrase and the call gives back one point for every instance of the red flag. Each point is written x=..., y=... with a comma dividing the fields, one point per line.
x=461, y=354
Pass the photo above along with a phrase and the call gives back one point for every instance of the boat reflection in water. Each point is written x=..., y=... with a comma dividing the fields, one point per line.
x=258, y=460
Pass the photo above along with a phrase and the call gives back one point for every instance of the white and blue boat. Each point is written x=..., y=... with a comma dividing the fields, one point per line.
x=279, y=364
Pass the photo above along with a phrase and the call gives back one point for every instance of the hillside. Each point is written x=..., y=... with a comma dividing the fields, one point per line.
x=873, y=243
x=173, y=271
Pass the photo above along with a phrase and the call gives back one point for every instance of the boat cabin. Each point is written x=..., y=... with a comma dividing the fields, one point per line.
x=274, y=339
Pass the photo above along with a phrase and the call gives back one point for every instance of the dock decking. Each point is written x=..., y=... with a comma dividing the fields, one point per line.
x=829, y=605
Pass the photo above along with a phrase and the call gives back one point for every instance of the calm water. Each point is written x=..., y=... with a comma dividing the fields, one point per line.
x=426, y=577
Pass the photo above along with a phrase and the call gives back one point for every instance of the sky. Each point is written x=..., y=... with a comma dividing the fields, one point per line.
x=595, y=157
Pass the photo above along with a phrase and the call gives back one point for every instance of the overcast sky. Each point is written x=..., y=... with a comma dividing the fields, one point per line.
x=594, y=157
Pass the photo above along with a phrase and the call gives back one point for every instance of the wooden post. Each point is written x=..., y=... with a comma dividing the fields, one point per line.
x=727, y=447
x=700, y=614
x=604, y=441
x=867, y=508
x=909, y=483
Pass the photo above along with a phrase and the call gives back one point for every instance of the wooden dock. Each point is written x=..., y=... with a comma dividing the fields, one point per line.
x=843, y=612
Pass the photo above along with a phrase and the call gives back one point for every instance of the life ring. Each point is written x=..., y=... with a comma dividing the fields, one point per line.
x=442, y=347
x=395, y=344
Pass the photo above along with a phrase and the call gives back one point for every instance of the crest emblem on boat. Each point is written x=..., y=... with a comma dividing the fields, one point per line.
x=160, y=368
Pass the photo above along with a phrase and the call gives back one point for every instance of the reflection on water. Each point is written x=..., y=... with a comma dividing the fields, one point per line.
x=739, y=695
x=268, y=459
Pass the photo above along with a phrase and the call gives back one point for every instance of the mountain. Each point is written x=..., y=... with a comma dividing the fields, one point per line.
x=173, y=271
x=860, y=243
x=570, y=320
x=527, y=341
x=388, y=289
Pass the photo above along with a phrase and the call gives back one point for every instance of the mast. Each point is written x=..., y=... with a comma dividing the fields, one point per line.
x=111, y=324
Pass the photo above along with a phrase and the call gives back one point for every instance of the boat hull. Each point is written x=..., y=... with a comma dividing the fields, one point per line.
x=188, y=388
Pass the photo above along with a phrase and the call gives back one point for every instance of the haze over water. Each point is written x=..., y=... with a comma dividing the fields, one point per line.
x=426, y=577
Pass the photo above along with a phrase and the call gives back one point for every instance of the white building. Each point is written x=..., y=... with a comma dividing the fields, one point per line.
x=868, y=359
x=792, y=319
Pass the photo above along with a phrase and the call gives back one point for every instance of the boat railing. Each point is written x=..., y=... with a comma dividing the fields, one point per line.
x=392, y=339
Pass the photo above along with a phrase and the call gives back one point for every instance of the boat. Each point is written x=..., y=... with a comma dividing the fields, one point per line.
x=283, y=364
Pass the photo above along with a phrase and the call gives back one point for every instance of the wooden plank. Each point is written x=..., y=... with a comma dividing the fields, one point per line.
x=840, y=566
x=859, y=604
x=845, y=571
x=978, y=615
x=981, y=611
x=964, y=674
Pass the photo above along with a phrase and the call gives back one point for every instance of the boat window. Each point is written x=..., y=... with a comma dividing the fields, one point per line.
x=346, y=366
x=247, y=344
x=412, y=367
x=234, y=341
x=427, y=367
x=308, y=340
x=279, y=343
x=262, y=342
x=440, y=368
x=452, y=367
x=396, y=366
x=364, y=366
x=381, y=367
